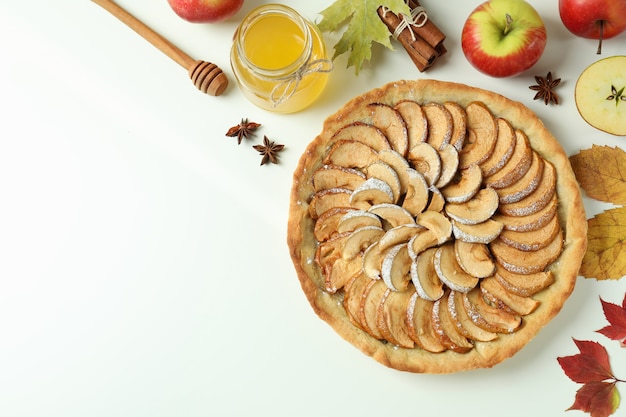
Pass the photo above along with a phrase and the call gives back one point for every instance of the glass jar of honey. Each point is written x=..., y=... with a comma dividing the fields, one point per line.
x=279, y=59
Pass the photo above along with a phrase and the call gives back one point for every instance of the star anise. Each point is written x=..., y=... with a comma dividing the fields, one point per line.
x=269, y=150
x=545, y=89
x=245, y=129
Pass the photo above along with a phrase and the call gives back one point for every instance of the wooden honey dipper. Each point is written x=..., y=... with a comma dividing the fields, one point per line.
x=207, y=77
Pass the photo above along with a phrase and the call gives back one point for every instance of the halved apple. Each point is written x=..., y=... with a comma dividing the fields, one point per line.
x=600, y=95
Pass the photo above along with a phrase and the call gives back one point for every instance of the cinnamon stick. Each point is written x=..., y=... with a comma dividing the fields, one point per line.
x=429, y=31
x=421, y=53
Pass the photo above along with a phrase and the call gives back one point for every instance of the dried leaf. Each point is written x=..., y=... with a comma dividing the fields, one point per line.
x=606, y=247
x=599, y=399
x=591, y=367
x=601, y=172
x=364, y=27
x=616, y=316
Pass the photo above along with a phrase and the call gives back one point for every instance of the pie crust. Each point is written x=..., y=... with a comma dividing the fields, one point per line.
x=552, y=284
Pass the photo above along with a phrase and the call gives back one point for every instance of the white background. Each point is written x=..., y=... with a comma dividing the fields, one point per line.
x=144, y=269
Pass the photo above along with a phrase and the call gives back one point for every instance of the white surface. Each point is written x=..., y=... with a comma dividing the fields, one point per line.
x=143, y=263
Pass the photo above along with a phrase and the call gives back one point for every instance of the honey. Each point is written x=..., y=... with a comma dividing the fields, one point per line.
x=279, y=59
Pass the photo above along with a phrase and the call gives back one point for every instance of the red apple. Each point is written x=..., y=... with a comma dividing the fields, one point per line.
x=594, y=19
x=503, y=38
x=205, y=11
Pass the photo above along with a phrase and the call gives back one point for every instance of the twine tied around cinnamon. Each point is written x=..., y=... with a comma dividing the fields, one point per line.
x=418, y=19
x=288, y=85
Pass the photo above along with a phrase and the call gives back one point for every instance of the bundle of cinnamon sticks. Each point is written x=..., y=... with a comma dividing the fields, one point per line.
x=419, y=36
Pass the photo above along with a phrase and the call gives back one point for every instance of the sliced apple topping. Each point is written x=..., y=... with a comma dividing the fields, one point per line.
x=426, y=160
x=501, y=297
x=474, y=258
x=482, y=135
x=353, y=219
x=525, y=185
x=370, y=193
x=485, y=232
x=360, y=239
x=340, y=274
x=450, y=272
x=445, y=328
x=391, y=322
x=437, y=201
x=527, y=262
x=478, y=209
x=538, y=199
x=373, y=261
x=395, y=270
x=415, y=119
x=386, y=173
x=487, y=316
x=440, y=124
x=425, y=239
x=333, y=176
x=353, y=294
x=465, y=186
x=516, y=166
x=417, y=193
x=399, y=234
x=534, y=239
x=524, y=285
x=327, y=224
x=459, y=124
x=424, y=277
x=399, y=164
x=392, y=215
x=328, y=199
x=368, y=310
x=387, y=119
x=436, y=223
x=419, y=324
x=365, y=133
x=503, y=149
x=529, y=222
x=463, y=322
x=351, y=154
x=449, y=164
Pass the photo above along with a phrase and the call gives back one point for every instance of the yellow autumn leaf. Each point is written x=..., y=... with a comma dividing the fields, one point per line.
x=606, y=247
x=601, y=172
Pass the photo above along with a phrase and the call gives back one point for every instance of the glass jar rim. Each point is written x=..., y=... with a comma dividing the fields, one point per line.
x=261, y=12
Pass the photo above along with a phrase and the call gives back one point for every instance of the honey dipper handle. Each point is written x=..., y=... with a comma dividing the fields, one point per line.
x=147, y=33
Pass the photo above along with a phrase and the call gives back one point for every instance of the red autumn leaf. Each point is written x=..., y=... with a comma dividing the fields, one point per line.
x=616, y=316
x=590, y=365
x=600, y=399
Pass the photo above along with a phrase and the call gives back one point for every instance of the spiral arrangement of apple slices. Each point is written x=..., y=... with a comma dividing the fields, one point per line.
x=436, y=222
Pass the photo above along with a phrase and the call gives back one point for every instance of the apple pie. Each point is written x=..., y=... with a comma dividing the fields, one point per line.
x=435, y=226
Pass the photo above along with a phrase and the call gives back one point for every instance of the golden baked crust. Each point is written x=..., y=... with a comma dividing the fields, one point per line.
x=303, y=245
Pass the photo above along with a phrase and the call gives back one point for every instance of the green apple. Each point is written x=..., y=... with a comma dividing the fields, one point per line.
x=503, y=38
x=600, y=95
